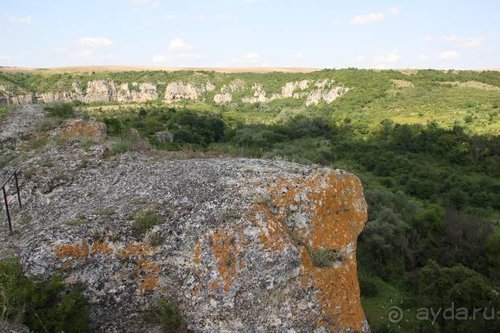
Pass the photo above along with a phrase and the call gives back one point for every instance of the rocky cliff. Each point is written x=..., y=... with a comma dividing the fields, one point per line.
x=110, y=91
x=240, y=245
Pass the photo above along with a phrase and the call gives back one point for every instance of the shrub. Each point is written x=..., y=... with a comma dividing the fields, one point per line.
x=324, y=257
x=43, y=306
x=145, y=220
x=368, y=288
x=169, y=317
x=64, y=111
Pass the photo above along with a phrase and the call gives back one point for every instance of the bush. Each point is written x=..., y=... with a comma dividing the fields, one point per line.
x=368, y=288
x=145, y=220
x=324, y=257
x=43, y=306
x=169, y=317
x=64, y=111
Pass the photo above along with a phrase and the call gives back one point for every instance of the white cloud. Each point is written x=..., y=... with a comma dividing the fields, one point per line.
x=298, y=56
x=464, y=41
x=449, y=55
x=370, y=18
x=395, y=11
x=252, y=58
x=179, y=45
x=171, y=17
x=178, y=50
x=20, y=19
x=423, y=57
x=459, y=41
x=390, y=57
x=94, y=42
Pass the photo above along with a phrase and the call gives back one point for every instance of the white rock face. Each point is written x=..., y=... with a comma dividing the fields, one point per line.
x=259, y=96
x=288, y=90
x=181, y=91
x=140, y=92
x=223, y=98
x=325, y=91
x=226, y=92
x=100, y=91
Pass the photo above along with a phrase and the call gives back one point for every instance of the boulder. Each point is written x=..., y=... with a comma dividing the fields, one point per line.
x=242, y=245
x=81, y=129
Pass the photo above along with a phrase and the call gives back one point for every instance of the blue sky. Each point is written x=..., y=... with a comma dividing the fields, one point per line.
x=239, y=33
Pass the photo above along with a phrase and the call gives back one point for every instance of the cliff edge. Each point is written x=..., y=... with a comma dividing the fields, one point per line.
x=239, y=245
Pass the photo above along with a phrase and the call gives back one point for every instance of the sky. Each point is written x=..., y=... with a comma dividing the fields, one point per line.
x=441, y=34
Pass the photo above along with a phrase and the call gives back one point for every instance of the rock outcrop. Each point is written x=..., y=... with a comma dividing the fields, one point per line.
x=77, y=129
x=325, y=91
x=226, y=92
x=289, y=89
x=110, y=91
x=177, y=91
x=243, y=245
x=139, y=92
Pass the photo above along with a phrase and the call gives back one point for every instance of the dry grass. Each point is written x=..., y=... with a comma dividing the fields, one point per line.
x=117, y=68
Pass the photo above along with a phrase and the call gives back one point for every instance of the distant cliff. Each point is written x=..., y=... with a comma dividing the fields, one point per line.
x=311, y=92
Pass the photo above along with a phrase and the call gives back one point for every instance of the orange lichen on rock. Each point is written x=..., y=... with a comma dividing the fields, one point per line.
x=272, y=236
x=148, y=270
x=338, y=219
x=225, y=251
x=137, y=249
x=77, y=128
x=148, y=266
x=76, y=251
x=337, y=210
x=149, y=283
x=101, y=247
x=197, y=253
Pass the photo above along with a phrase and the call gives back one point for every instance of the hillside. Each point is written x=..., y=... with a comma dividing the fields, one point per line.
x=425, y=145
x=467, y=98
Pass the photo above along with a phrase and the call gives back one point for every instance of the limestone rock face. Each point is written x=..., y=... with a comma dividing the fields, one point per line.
x=141, y=92
x=226, y=92
x=313, y=92
x=8, y=98
x=223, y=98
x=178, y=91
x=289, y=89
x=100, y=91
x=243, y=245
x=325, y=91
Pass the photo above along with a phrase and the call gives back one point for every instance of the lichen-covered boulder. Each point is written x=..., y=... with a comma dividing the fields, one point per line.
x=241, y=245
x=81, y=129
